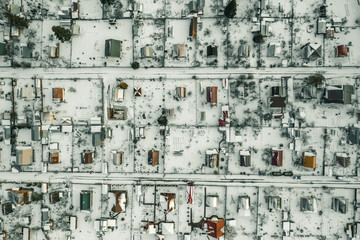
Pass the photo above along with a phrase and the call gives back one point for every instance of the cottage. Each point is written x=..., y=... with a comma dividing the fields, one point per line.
x=153, y=157
x=87, y=157
x=244, y=206
x=245, y=158
x=181, y=92
x=211, y=51
x=179, y=51
x=167, y=228
x=117, y=157
x=193, y=28
x=27, y=93
x=313, y=51
x=58, y=94
x=54, y=51
x=169, y=200
x=117, y=113
x=55, y=197
x=342, y=51
x=343, y=159
x=339, y=204
x=274, y=203
x=277, y=157
x=309, y=160
x=35, y=132
x=86, y=198
x=212, y=158
x=147, y=52
x=112, y=48
x=215, y=227
x=118, y=201
x=7, y=208
x=274, y=50
x=54, y=157
x=321, y=26
x=211, y=95
x=338, y=94
x=24, y=155
x=308, y=204
x=20, y=196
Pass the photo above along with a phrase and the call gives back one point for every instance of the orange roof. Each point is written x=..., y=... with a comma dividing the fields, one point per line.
x=215, y=226
x=58, y=93
x=309, y=161
x=54, y=157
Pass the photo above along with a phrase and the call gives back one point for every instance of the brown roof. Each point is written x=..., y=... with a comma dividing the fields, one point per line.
x=153, y=157
x=117, y=208
x=87, y=157
x=54, y=157
x=58, y=93
x=309, y=161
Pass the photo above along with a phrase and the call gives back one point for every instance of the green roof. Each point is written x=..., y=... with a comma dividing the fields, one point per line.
x=112, y=48
x=85, y=200
x=3, y=49
x=348, y=91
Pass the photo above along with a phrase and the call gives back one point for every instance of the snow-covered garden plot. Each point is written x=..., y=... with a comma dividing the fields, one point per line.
x=153, y=8
x=245, y=225
x=246, y=9
x=276, y=51
x=210, y=111
x=307, y=8
x=120, y=142
x=185, y=149
x=337, y=144
x=88, y=48
x=90, y=9
x=183, y=209
x=143, y=212
x=349, y=37
x=82, y=98
x=198, y=204
x=269, y=224
x=149, y=106
x=210, y=36
x=149, y=43
x=53, y=7
x=27, y=49
x=65, y=148
x=85, y=219
x=175, y=8
x=177, y=32
x=32, y=8
x=117, y=10
x=278, y=8
x=153, y=141
x=305, y=32
x=83, y=143
x=346, y=9
x=240, y=34
x=184, y=107
x=49, y=40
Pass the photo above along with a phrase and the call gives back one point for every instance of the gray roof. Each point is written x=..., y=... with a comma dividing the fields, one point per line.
x=26, y=52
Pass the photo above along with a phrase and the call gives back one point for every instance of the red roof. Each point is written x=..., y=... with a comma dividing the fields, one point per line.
x=277, y=158
x=342, y=51
x=222, y=122
x=215, y=226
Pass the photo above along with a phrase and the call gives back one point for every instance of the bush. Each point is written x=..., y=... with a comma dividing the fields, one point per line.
x=316, y=80
x=16, y=21
x=123, y=85
x=258, y=39
x=230, y=9
x=109, y=2
x=135, y=65
x=162, y=120
x=61, y=33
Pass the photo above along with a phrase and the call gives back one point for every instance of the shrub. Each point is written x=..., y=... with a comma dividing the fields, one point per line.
x=109, y=2
x=135, y=65
x=230, y=9
x=16, y=21
x=316, y=79
x=123, y=85
x=61, y=33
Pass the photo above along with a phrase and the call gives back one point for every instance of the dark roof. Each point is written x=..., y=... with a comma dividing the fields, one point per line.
x=26, y=52
x=211, y=51
x=275, y=91
x=85, y=200
x=277, y=102
x=112, y=48
x=3, y=50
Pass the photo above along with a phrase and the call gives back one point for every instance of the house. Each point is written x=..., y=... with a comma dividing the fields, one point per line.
x=147, y=52
x=97, y=139
x=343, y=159
x=20, y=196
x=3, y=49
x=212, y=158
x=245, y=158
x=58, y=94
x=7, y=208
x=274, y=50
x=179, y=51
x=168, y=199
x=73, y=223
x=211, y=51
x=274, y=203
x=35, y=132
x=212, y=200
x=24, y=155
x=86, y=198
x=54, y=157
x=26, y=52
x=330, y=33
x=75, y=29
x=119, y=94
x=27, y=93
x=112, y=48
x=167, y=228
x=55, y=51
x=342, y=51
x=193, y=28
x=117, y=113
x=215, y=227
x=26, y=233
x=352, y=230
x=87, y=157
x=55, y=197
x=137, y=91
x=309, y=160
x=118, y=201
x=105, y=224
x=277, y=157
x=339, y=204
x=211, y=95
x=153, y=157
x=196, y=6
x=244, y=206
x=308, y=204
x=264, y=28
x=46, y=221
x=117, y=157
x=75, y=9
x=244, y=50
x=338, y=94
x=181, y=92
x=313, y=51
x=321, y=26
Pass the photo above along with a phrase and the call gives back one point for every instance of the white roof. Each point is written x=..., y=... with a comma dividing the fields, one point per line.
x=167, y=228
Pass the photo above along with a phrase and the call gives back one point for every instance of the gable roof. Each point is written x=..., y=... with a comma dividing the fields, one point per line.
x=112, y=48
x=85, y=200
x=24, y=155
x=215, y=226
